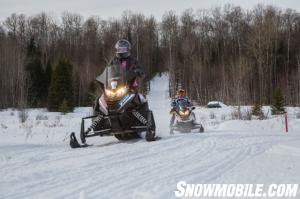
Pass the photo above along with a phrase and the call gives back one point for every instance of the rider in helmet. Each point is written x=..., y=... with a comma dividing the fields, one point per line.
x=127, y=63
x=125, y=59
x=180, y=96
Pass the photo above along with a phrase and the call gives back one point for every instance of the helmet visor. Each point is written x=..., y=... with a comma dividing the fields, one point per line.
x=123, y=55
x=122, y=50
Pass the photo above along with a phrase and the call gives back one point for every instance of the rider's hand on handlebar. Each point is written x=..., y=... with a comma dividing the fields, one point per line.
x=139, y=72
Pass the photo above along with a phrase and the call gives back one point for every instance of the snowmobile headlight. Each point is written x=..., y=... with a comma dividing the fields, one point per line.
x=118, y=93
x=184, y=113
x=109, y=93
x=121, y=91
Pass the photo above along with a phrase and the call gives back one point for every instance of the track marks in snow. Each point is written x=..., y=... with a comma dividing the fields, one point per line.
x=127, y=169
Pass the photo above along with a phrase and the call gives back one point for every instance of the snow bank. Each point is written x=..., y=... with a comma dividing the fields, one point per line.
x=41, y=127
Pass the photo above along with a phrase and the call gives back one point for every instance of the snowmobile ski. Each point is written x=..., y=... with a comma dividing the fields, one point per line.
x=74, y=143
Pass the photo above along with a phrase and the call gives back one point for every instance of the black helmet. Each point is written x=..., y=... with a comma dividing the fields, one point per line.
x=123, y=48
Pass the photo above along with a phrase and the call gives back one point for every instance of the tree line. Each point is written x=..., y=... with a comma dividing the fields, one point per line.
x=225, y=53
x=35, y=47
x=237, y=56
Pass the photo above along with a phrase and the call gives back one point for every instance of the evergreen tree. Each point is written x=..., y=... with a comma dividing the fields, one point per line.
x=76, y=85
x=257, y=110
x=35, y=74
x=277, y=106
x=48, y=75
x=45, y=81
x=64, y=108
x=61, y=87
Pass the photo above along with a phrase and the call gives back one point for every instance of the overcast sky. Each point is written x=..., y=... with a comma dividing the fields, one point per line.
x=114, y=8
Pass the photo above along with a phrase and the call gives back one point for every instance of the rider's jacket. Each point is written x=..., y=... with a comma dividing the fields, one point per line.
x=130, y=63
x=184, y=100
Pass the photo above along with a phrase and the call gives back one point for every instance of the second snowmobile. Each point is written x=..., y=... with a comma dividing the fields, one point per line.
x=118, y=112
x=185, y=119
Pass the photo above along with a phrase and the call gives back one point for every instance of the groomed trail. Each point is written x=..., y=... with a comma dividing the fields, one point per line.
x=230, y=151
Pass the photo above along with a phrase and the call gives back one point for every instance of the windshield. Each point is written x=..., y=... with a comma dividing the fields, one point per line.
x=113, y=77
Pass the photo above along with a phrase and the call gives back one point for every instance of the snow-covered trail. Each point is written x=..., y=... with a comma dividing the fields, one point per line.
x=227, y=153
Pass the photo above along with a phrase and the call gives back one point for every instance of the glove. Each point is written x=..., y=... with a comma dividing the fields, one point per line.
x=139, y=72
x=173, y=104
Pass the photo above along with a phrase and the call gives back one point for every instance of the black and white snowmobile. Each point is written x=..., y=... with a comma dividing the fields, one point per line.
x=118, y=112
x=185, y=119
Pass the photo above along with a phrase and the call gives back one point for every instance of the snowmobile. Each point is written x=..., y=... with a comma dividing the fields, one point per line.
x=118, y=112
x=185, y=119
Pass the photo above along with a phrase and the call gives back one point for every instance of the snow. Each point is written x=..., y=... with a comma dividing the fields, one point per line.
x=37, y=162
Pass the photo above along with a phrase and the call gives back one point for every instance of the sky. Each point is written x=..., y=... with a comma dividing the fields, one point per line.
x=114, y=8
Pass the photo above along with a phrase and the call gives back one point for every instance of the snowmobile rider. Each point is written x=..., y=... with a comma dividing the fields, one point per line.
x=128, y=63
x=124, y=58
x=180, y=96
